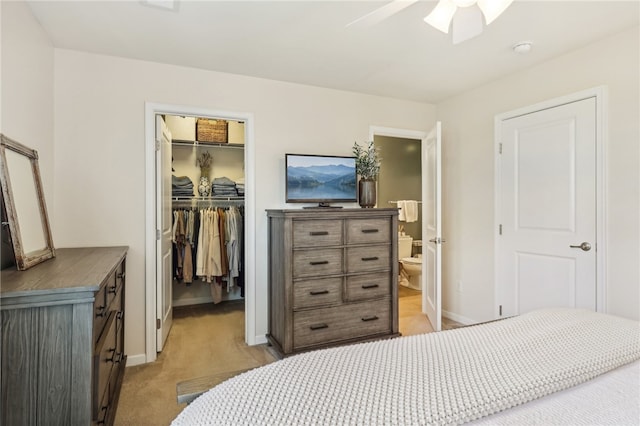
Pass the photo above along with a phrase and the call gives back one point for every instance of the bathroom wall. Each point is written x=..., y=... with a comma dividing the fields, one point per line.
x=400, y=176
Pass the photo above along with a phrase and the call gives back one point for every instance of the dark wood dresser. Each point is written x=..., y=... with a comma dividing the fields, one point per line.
x=332, y=277
x=63, y=354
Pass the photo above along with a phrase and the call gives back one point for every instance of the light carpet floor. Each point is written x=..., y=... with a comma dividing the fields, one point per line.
x=207, y=340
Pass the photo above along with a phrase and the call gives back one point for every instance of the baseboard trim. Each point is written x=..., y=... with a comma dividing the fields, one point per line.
x=136, y=360
x=458, y=318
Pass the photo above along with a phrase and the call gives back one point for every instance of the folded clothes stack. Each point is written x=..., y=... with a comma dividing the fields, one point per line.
x=240, y=187
x=223, y=187
x=181, y=186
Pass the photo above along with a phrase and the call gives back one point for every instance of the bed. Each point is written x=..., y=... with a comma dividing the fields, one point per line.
x=551, y=366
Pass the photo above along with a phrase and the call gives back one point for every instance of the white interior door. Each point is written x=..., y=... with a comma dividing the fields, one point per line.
x=164, y=309
x=547, y=191
x=432, y=228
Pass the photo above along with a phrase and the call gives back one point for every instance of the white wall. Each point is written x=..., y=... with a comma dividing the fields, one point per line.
x=26, y=103
x=468, y=151
x=96, y=171
x=99, y=163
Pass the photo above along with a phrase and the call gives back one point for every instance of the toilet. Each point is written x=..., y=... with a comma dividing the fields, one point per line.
x=410, y=267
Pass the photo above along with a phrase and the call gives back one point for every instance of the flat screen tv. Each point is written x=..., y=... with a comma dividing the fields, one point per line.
x=322, y=179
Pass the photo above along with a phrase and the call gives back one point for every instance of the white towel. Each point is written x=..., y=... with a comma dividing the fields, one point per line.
x=401, y=210
x=410, y=211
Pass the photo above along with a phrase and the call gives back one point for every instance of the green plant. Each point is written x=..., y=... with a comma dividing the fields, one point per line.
x=367, y=160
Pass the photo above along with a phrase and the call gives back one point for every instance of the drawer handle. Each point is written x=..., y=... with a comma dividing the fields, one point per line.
x=104, y=408
x=319, y=292
x=119, y=357
x=119, y=315
x=319, y=262
x=113, y=357
x=318, y=326
x=370, y=286
x=368, y=259
x=121, y=275
x=371, y=318
x=317, y=233
x=113, y=289
x=100, y=312
x=370, y=231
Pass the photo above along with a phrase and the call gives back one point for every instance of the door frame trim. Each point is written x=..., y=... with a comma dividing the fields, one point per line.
x=600, y=93
x=151, y=110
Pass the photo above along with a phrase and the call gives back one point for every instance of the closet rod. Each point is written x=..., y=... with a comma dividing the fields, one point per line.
x=214, y=198
x=206, y=201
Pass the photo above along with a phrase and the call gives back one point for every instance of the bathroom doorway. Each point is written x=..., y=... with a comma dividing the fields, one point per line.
x=400, y=179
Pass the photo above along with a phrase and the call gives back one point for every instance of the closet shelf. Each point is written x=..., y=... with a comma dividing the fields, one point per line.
x=191, y=144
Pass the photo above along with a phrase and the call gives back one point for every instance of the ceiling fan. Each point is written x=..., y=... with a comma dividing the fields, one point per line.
x=466, y=21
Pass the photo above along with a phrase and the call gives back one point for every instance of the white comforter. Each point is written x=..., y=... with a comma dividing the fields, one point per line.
x=438, y=378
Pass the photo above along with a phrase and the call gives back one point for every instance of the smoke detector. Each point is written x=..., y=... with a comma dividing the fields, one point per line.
x=522, y=47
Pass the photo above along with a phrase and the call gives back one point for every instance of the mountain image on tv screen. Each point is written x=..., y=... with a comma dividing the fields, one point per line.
x=321, y=178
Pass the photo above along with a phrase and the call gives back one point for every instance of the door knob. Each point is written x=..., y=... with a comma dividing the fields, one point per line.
x=585, y=246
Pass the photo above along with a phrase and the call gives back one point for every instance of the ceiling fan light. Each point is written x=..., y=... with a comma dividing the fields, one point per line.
x=464, y=3
x=441, y=16
x=493, y=8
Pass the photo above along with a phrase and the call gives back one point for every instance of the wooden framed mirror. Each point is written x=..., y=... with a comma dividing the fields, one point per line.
x=23, y=199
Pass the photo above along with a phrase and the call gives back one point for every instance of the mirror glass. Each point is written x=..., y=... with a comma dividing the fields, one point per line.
x=24, y=202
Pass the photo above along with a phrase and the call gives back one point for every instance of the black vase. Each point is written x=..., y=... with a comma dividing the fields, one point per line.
x=367, y=193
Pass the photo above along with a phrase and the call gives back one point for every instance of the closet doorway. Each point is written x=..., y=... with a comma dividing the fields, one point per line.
x=230, y=170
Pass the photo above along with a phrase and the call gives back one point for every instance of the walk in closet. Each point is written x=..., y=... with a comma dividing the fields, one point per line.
x=207, y=203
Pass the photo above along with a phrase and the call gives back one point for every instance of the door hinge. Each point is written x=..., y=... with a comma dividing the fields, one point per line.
x=158, y=323
x=157, y=145
x=500, y=310
x=500, y=148
x=157, y=234
x=500, y=229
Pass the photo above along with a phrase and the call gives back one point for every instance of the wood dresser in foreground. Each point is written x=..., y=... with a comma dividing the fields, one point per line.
x=62, y=348
x=332, y=277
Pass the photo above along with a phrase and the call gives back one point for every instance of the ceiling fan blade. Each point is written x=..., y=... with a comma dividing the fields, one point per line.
x=467, y=23
x=381, y=13
x=441, y=16
x=493, y=8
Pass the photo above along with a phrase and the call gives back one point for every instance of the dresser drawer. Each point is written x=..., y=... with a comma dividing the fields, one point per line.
x=317, y=233
x=369, y=286
x=119, y=354
x=103, y=361
x=114, y=286
x=309, y=263
x=369, y=258
x=363, y=231
x=344, y=322
x=116, y=300
x=100, y=312
x=101, y=411
x=318, y=292
x=107, y=404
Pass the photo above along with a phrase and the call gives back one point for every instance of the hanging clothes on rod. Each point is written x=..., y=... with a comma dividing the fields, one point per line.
x=183, y=244
x=207, y=245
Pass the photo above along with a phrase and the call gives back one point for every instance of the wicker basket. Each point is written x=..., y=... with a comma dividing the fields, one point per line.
x=211, y=130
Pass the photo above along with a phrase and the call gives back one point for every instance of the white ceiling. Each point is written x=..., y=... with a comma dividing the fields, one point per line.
x=308, y=42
